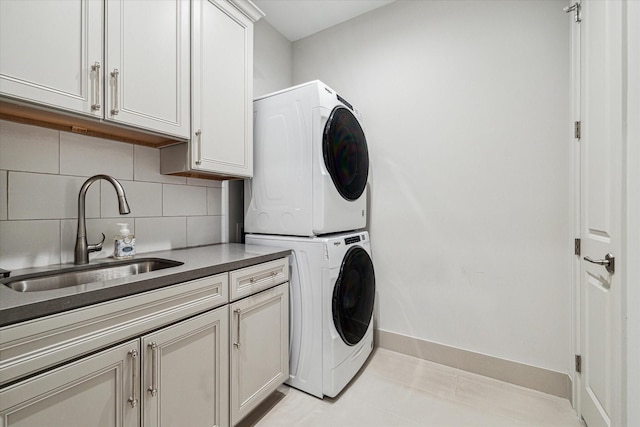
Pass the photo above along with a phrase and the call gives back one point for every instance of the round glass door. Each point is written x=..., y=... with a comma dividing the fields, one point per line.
x=345, y=153
x=353, y=296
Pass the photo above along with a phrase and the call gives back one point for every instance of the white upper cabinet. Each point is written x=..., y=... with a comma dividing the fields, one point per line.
x=222, y=89
x=51, y=52
x=222, y=92
x=147, y=64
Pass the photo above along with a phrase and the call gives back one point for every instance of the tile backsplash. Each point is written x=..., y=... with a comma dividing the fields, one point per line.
x=41, y=172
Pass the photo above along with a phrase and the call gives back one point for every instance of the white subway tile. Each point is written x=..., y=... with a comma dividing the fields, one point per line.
x=204, y=182
x=95, y=228
x=204, y=230
x=156, y=234
x=146, y=166
x=86, y=156
x=26, y=244
x=40, y=196
x=214, y=201
x=144, y=198
x=3, y=195
x=28, y=148
x=183, y=200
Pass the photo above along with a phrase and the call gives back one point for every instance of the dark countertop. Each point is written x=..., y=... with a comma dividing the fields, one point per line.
x=198, y=262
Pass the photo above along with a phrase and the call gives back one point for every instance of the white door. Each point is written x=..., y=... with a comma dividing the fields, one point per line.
x=259, y=330
x=51, y=52
x=147, y=64
x=222, y=70
x=101, y=390
x=185, y=373
x=601, y=101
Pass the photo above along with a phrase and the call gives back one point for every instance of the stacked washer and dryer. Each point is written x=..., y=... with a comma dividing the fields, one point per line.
x=308, y=194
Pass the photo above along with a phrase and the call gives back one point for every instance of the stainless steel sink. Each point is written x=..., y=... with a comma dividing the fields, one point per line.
x=86, y=274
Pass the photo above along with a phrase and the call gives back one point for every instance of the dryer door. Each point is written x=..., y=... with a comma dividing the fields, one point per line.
x=346, y=156
x=353, y=296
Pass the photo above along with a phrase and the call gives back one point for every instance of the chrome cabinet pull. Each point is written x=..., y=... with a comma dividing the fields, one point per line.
x=96, y=69
x=114, y=74
x=237, y=311
x=133, y=400
x=609, y=262
x=153, y=388
x=199, y=142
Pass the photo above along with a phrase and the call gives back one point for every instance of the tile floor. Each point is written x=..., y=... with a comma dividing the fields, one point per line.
x=398, y=390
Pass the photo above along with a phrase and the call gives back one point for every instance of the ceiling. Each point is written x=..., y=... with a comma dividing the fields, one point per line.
x=296, y=19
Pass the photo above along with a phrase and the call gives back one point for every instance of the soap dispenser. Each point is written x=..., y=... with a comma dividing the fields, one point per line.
x=125, y=242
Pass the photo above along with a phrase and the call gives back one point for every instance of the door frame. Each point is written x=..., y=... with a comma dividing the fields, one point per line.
x=575, y=206
x=631, y=225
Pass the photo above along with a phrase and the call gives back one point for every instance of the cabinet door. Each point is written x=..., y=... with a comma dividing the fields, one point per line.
x=94, y=391
x=147, y=59
x=47, y=50
x=260, y=348
x=222, y=77
x=185, y=377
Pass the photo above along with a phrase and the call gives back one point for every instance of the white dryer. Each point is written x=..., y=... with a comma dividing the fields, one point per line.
x=311, y=164
x=332, y=293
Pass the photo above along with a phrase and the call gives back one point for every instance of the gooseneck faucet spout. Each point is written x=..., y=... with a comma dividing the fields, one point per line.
x=81, y=254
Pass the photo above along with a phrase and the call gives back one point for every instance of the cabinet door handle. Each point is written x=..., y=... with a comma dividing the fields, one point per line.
x=114, y=74
x=133, y=400
x=237, y=311
x=96, y=95
x=153, y=388
x=199, y=146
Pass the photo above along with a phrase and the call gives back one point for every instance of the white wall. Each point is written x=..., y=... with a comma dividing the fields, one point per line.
x=271, y=60
x=467, y=111
x=41, y=171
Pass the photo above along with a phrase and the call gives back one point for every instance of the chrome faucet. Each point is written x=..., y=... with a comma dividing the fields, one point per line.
x=81, y=254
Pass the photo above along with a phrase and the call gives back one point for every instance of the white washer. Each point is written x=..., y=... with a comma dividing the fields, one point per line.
x=332, y=293
x=311, y=164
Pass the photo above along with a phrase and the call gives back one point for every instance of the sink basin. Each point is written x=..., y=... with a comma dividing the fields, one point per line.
x=86, y=274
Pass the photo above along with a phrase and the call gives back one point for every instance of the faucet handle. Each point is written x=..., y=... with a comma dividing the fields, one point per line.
x=97, y=247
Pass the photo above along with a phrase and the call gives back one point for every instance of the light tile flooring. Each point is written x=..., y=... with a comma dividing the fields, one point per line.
x=398, y=390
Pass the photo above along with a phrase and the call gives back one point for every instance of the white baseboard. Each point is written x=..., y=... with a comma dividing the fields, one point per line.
x=544, y=380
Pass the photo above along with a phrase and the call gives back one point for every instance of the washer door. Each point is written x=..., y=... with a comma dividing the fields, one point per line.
x=346, y=156
x=353, y=296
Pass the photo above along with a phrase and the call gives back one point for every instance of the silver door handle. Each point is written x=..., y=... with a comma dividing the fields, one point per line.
x=96, y=69
x=609, y=262
x=153, y=389
x=199, y=146
x=133, y=400
x=115, y=74
x=236, y=343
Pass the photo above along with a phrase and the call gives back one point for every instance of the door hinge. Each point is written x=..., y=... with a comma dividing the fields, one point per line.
x=578, y=363
x=577, y=130
x=576, y=247
x=575, y=8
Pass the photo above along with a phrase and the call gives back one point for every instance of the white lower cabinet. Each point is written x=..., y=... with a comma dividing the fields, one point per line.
x=96, y=390
x=164, y=357
x=185, y=373
x=260, y=348
x=177, y=375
